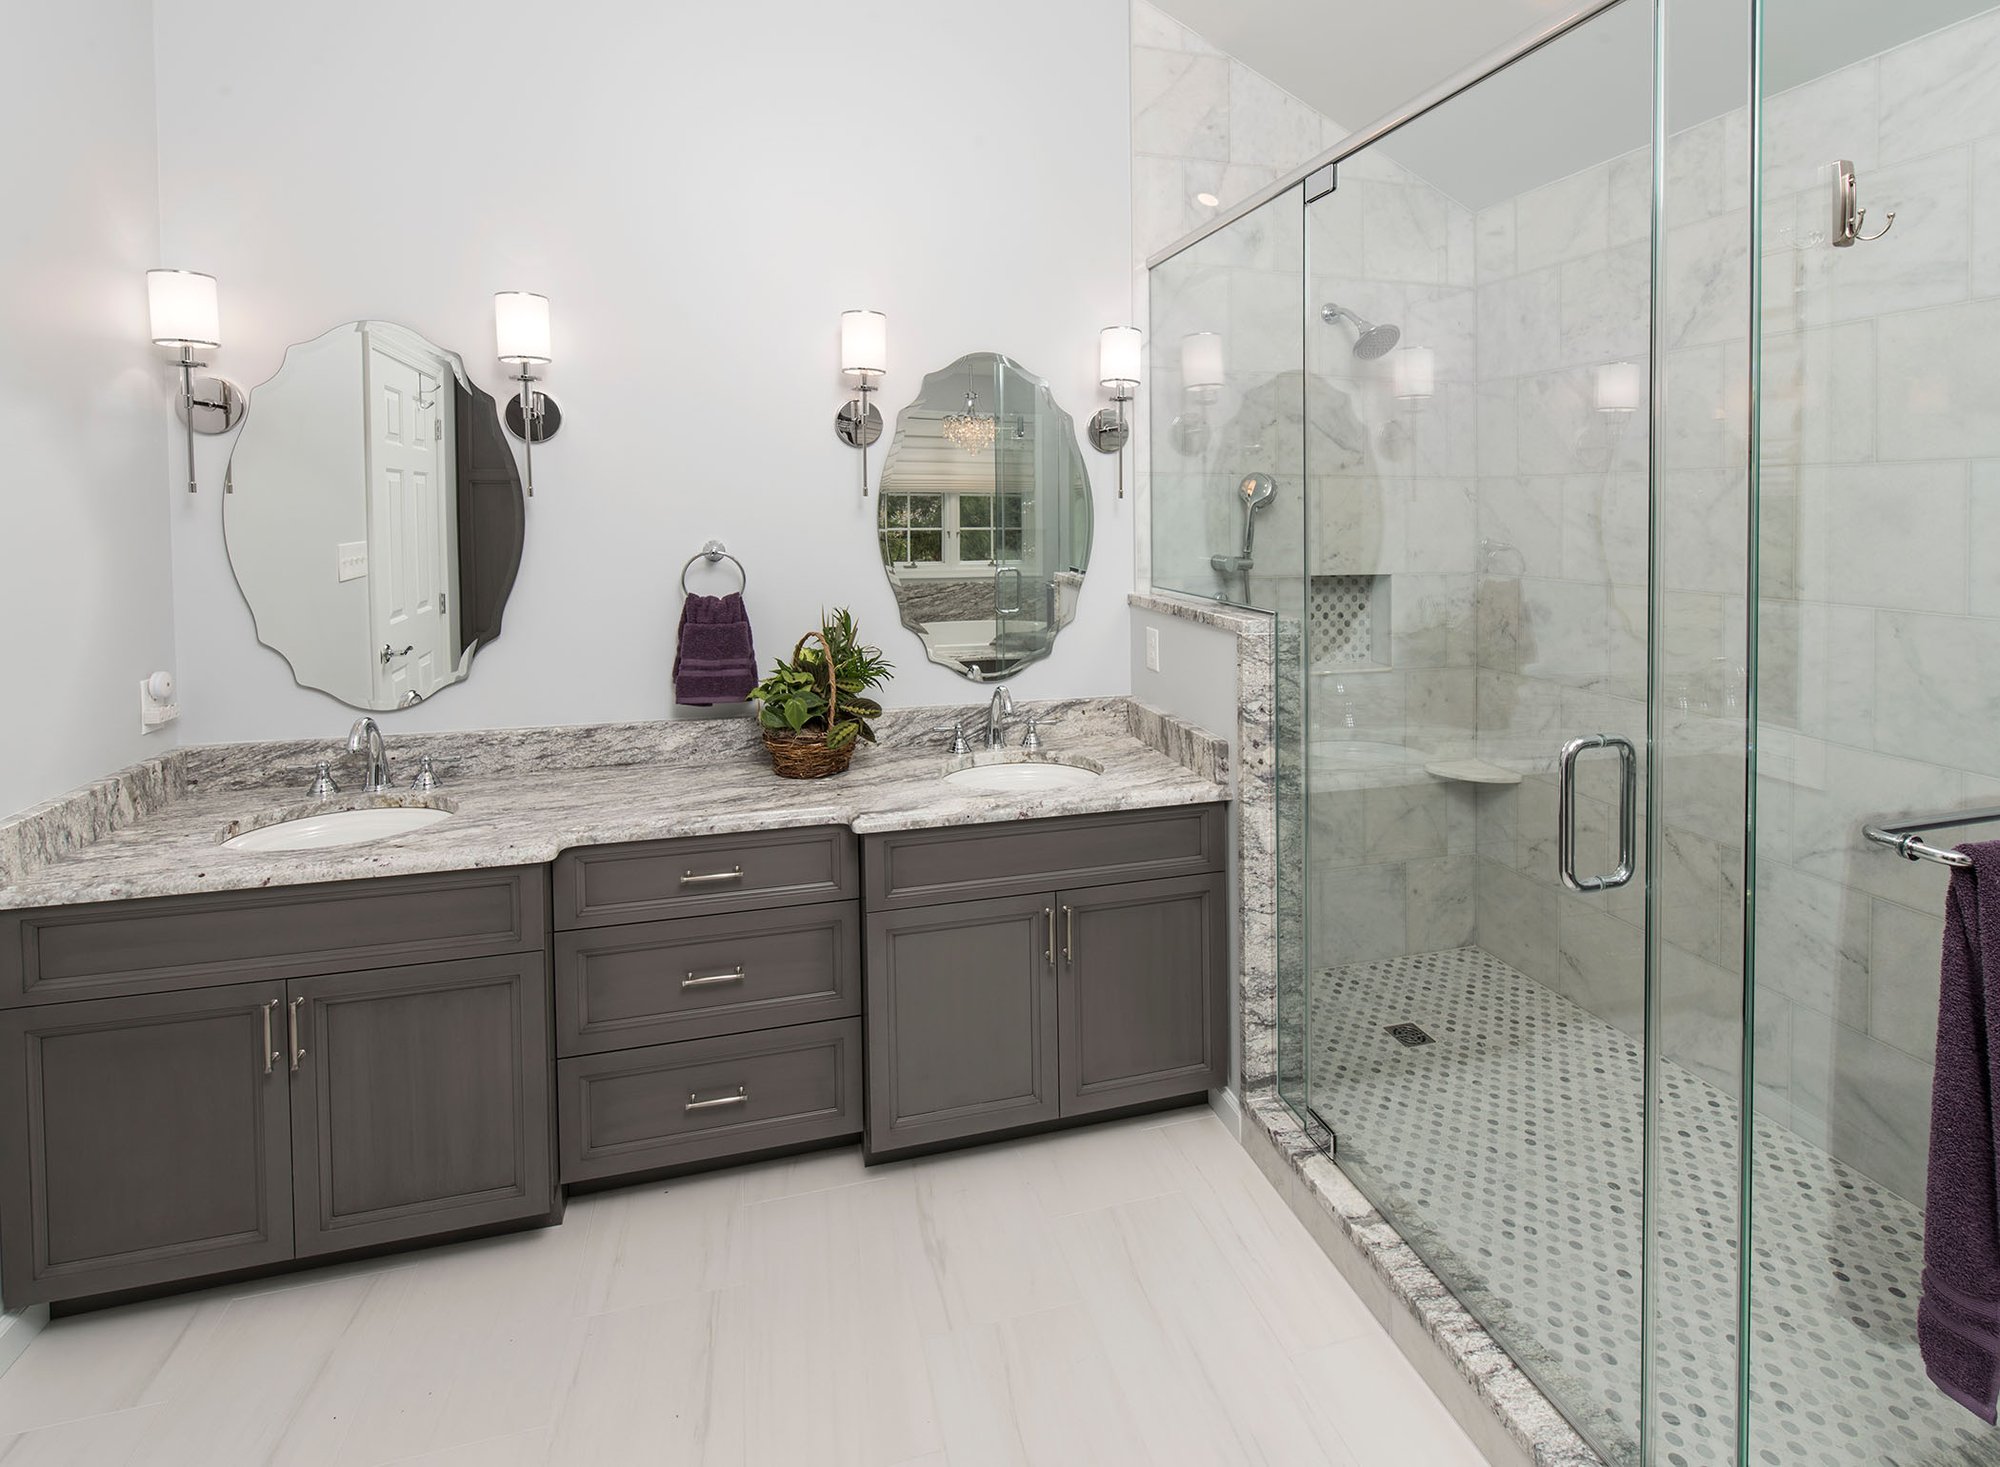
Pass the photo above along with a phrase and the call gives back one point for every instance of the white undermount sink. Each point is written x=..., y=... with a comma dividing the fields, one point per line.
x=1021, y=777
x=318, y=830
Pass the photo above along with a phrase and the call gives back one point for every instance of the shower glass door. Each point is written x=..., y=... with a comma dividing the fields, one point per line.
x=1878, y=685
x=1477, y=591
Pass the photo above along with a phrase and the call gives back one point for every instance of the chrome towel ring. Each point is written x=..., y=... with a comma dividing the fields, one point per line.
x=714, y=554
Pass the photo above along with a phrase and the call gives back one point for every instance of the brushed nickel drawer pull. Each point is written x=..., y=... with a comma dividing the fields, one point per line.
x=1050, y=952
x=270, y=1054
x=292, y=1029
x=704, y=979
x=1069, y=934
x=741, y=1097
x=688, y=878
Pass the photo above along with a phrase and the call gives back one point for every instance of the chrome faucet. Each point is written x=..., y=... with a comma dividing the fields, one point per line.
x=998, y=712
x=367, y=734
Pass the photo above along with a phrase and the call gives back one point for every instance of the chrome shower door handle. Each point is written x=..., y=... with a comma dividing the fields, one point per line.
x=1628, y=813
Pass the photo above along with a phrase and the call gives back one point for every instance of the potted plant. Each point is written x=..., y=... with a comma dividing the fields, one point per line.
x=814, y=707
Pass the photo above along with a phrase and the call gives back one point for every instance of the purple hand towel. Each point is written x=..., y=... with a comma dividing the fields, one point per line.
x=1958, y=1321
x=714, y=661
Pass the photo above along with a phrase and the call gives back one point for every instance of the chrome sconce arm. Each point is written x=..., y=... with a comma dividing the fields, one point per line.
x=521, y=337
x=864, y=356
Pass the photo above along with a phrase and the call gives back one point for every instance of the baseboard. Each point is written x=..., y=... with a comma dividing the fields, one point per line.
x=17, y=1328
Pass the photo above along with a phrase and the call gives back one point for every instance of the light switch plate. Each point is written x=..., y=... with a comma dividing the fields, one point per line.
x=1152, y=649
x=352, y=557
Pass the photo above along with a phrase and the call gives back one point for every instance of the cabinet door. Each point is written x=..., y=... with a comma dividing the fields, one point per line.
x=961, y=1021
x=1144, y=1005
x=142, y=1140
x=421, y=1101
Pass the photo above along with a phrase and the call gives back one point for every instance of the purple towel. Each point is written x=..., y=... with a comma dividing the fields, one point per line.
x=1958, y=1322
x=714, y=661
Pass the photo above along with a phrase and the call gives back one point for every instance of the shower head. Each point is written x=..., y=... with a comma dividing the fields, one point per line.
x=1370, y=340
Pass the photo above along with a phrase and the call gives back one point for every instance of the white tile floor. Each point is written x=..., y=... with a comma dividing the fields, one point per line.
x=1128, y=1293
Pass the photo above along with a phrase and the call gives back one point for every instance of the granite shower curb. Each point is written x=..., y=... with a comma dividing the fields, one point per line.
x=1490, y=1396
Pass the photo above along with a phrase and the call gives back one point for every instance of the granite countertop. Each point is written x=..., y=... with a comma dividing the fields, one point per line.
x=523, y=796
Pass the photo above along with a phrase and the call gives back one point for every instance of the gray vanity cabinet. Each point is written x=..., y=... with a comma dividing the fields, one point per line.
x=1098, y=982
x=961, y=1021
x=148, y=1139
x=421, y=1101
x=1144, y=1012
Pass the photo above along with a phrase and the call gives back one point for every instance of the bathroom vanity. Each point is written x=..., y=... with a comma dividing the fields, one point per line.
x=211, y=1081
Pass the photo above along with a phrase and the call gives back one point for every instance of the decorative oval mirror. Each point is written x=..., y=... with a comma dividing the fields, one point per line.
x=374, y=515
x=985, y=517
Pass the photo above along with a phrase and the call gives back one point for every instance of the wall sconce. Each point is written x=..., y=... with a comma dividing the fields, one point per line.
x=1120, y=351
x=521, y=339
x=184, y=313
x=1203, y=371
x=864, y=356
x=1413, y=372
x=1620, y=387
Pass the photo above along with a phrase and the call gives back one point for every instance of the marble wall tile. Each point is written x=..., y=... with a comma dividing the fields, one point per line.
x=1564, y=220
x=1601, y=962
x=1606, y=310
x=1935, y=682
x=1700, y=1007
x=1445, y=698
x=1267, y=125
x=1986, y=218
x=1708, y=167
x=1605, y=528
x=1360, y=914
x=1499, y=429
x=1432, y=621
x=1818, y=399
x=1439, y=903
x=1153, y=27
x=1180, y=104
x=1984, y=538
x=1938, y=91
x=1524, y=515
x=1938, y=381
x=1855, y=784
x=1704, y=284
x=1442, y=520
x=1905, y=949
x=1808, y=126
x=1813, y=942
x=1516, y=920
x=1870, y=1100
x=1629, y=215
x=1520, y=324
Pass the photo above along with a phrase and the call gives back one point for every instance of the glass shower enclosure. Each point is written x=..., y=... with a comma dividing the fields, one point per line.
x=1619, y=496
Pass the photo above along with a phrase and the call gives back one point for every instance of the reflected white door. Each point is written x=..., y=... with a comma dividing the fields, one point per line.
x=410, y=517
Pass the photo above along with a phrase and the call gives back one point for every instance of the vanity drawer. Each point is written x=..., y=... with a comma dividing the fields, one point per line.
x=641, y=1110
x=111, y=948
x=918, y=867
x=602, y=886
x=653, y=982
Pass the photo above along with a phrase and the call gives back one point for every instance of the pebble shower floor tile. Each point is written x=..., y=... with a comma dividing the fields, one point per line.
x=1508, y=1152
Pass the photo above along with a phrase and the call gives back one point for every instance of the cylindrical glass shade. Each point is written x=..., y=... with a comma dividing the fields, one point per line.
x=1119, y=350
x=1414, y=369
x=1620, y=387
x=521, y=326
x=183, y=307
x=1201, y=359
x=864, y=342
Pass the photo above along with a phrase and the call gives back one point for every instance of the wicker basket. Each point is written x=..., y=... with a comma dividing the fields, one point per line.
x=805, y=755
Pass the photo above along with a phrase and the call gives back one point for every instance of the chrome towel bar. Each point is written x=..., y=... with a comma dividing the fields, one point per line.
x=1906, y=837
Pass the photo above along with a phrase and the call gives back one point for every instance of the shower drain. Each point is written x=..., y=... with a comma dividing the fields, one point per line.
x=1409, y=1035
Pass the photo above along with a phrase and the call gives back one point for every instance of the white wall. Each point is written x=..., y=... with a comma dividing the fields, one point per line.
x=86, y=606
x=700, y=190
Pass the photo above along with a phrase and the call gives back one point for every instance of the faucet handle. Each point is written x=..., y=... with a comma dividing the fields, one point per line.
x=426, y=778
x=323, y=786
x=956, y=728
x=1032, y=739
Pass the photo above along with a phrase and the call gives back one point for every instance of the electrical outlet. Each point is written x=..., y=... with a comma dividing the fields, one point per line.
x=1152, y=649
x=157, y=704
